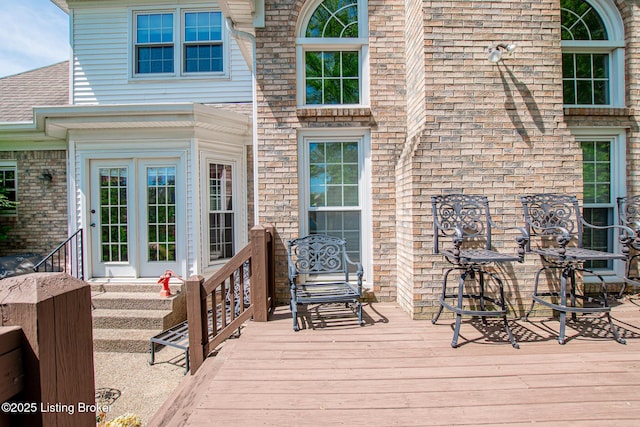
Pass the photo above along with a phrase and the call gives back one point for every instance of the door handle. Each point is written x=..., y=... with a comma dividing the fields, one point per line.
x=93, y=224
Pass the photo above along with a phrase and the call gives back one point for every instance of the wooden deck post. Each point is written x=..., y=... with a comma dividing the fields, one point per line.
x=260, y=273
x=197, y=321
x=54, y=312
x=11, y=370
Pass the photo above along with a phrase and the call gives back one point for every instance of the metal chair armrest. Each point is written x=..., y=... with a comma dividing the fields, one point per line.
x=628, y=238
x=521, y=240
x=359, y=272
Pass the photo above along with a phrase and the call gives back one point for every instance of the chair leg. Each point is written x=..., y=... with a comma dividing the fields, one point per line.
x=535, y=292
x=574, y=315
x=294, y=315
x=152, y=355
x=481, y=292
x=563, y=302
x=456, y=331
x=360, y=313
x=614, y=330
x=503, y=306
x=612, y=327
x=442, y=295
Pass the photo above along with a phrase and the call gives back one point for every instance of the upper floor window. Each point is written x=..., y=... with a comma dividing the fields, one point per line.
x=332, y=53
x=592, y=54
x=202, y=42
x=192, y=44
x=8, y=188
x=154, y=43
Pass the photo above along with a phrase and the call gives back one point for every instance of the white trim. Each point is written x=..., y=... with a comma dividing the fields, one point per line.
x=610, y=17
x=238, y=170
x=178, y=44
x=614, y=46
x=618, y=138
x=97, y=151
x=360, y=44
x=363, y=137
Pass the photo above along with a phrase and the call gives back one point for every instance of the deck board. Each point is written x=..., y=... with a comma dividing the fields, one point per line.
x=398, y=371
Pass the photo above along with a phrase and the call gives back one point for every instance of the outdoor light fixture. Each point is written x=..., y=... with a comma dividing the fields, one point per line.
x=495, y=52
x=46, y=177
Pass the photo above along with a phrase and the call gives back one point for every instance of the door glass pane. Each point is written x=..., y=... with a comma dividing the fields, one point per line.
x=599, y=240
x=113, y=215
x=161, y=213
x=345, y=225
x=334, y=192
x=598, y=206
x=221, y=213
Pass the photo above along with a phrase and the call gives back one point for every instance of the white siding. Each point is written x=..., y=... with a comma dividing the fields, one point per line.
x=102, y=63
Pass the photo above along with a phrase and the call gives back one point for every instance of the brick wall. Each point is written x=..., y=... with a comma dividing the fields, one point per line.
x=630, y=12
x=279, y=121
x=491, y=129
x=41, y=223
x=443, y=119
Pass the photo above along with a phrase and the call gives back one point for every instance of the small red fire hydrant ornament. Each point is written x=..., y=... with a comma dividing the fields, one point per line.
x=164, y=280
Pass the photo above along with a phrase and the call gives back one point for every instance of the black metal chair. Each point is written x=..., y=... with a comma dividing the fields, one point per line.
x=554, y=221
x=324, y=262
x=467, y=222
x=629, y=216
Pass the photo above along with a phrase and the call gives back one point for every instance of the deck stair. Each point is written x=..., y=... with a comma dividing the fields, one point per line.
x=127, y=315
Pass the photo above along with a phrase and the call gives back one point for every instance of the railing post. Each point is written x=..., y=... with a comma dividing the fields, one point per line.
x=197, y=321
x=272, y=266
x=259, y=273
x=54, y=312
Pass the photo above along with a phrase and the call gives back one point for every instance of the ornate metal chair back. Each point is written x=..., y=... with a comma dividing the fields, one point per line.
x=548, y=214
x=629, y=212
x=318, y=254
x=467, y=214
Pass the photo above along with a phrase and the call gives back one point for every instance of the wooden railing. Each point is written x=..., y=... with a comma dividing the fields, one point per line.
x=218, y=306
x=46, y=351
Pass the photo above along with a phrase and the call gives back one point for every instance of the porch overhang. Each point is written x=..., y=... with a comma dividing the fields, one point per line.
x=56, y=122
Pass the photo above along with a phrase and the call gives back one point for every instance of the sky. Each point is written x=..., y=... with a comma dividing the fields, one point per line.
x=33, y=34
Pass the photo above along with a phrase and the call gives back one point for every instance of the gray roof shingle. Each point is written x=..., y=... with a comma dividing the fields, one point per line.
x=46, y=86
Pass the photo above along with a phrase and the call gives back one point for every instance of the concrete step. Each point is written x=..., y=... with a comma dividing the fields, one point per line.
x=126, y=316
x=132, y=319
x=123, y=341
x=135, y=300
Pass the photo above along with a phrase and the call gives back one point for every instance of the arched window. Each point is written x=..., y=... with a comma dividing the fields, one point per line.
x=592, y=54
x=332, y=53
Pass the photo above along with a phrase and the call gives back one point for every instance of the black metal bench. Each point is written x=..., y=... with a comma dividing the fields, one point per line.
x=319, y=273
x=178, y=336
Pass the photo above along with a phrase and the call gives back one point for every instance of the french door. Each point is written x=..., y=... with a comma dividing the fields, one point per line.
x=135, y=217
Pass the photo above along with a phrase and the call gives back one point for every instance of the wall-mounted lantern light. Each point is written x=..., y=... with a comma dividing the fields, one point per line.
x=496, y=51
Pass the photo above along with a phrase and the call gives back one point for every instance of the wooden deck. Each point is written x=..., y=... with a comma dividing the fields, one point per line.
x=399, y=372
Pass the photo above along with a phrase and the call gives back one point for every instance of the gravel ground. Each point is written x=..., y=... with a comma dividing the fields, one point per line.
x=133, y=385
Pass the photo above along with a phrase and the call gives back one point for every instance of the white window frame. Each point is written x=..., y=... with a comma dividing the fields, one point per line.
x=178, y=45
x=239, y=205
x=614, y=47
x=617, y=137
x=362, y=136
x=306, y=44
x=6, y=165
